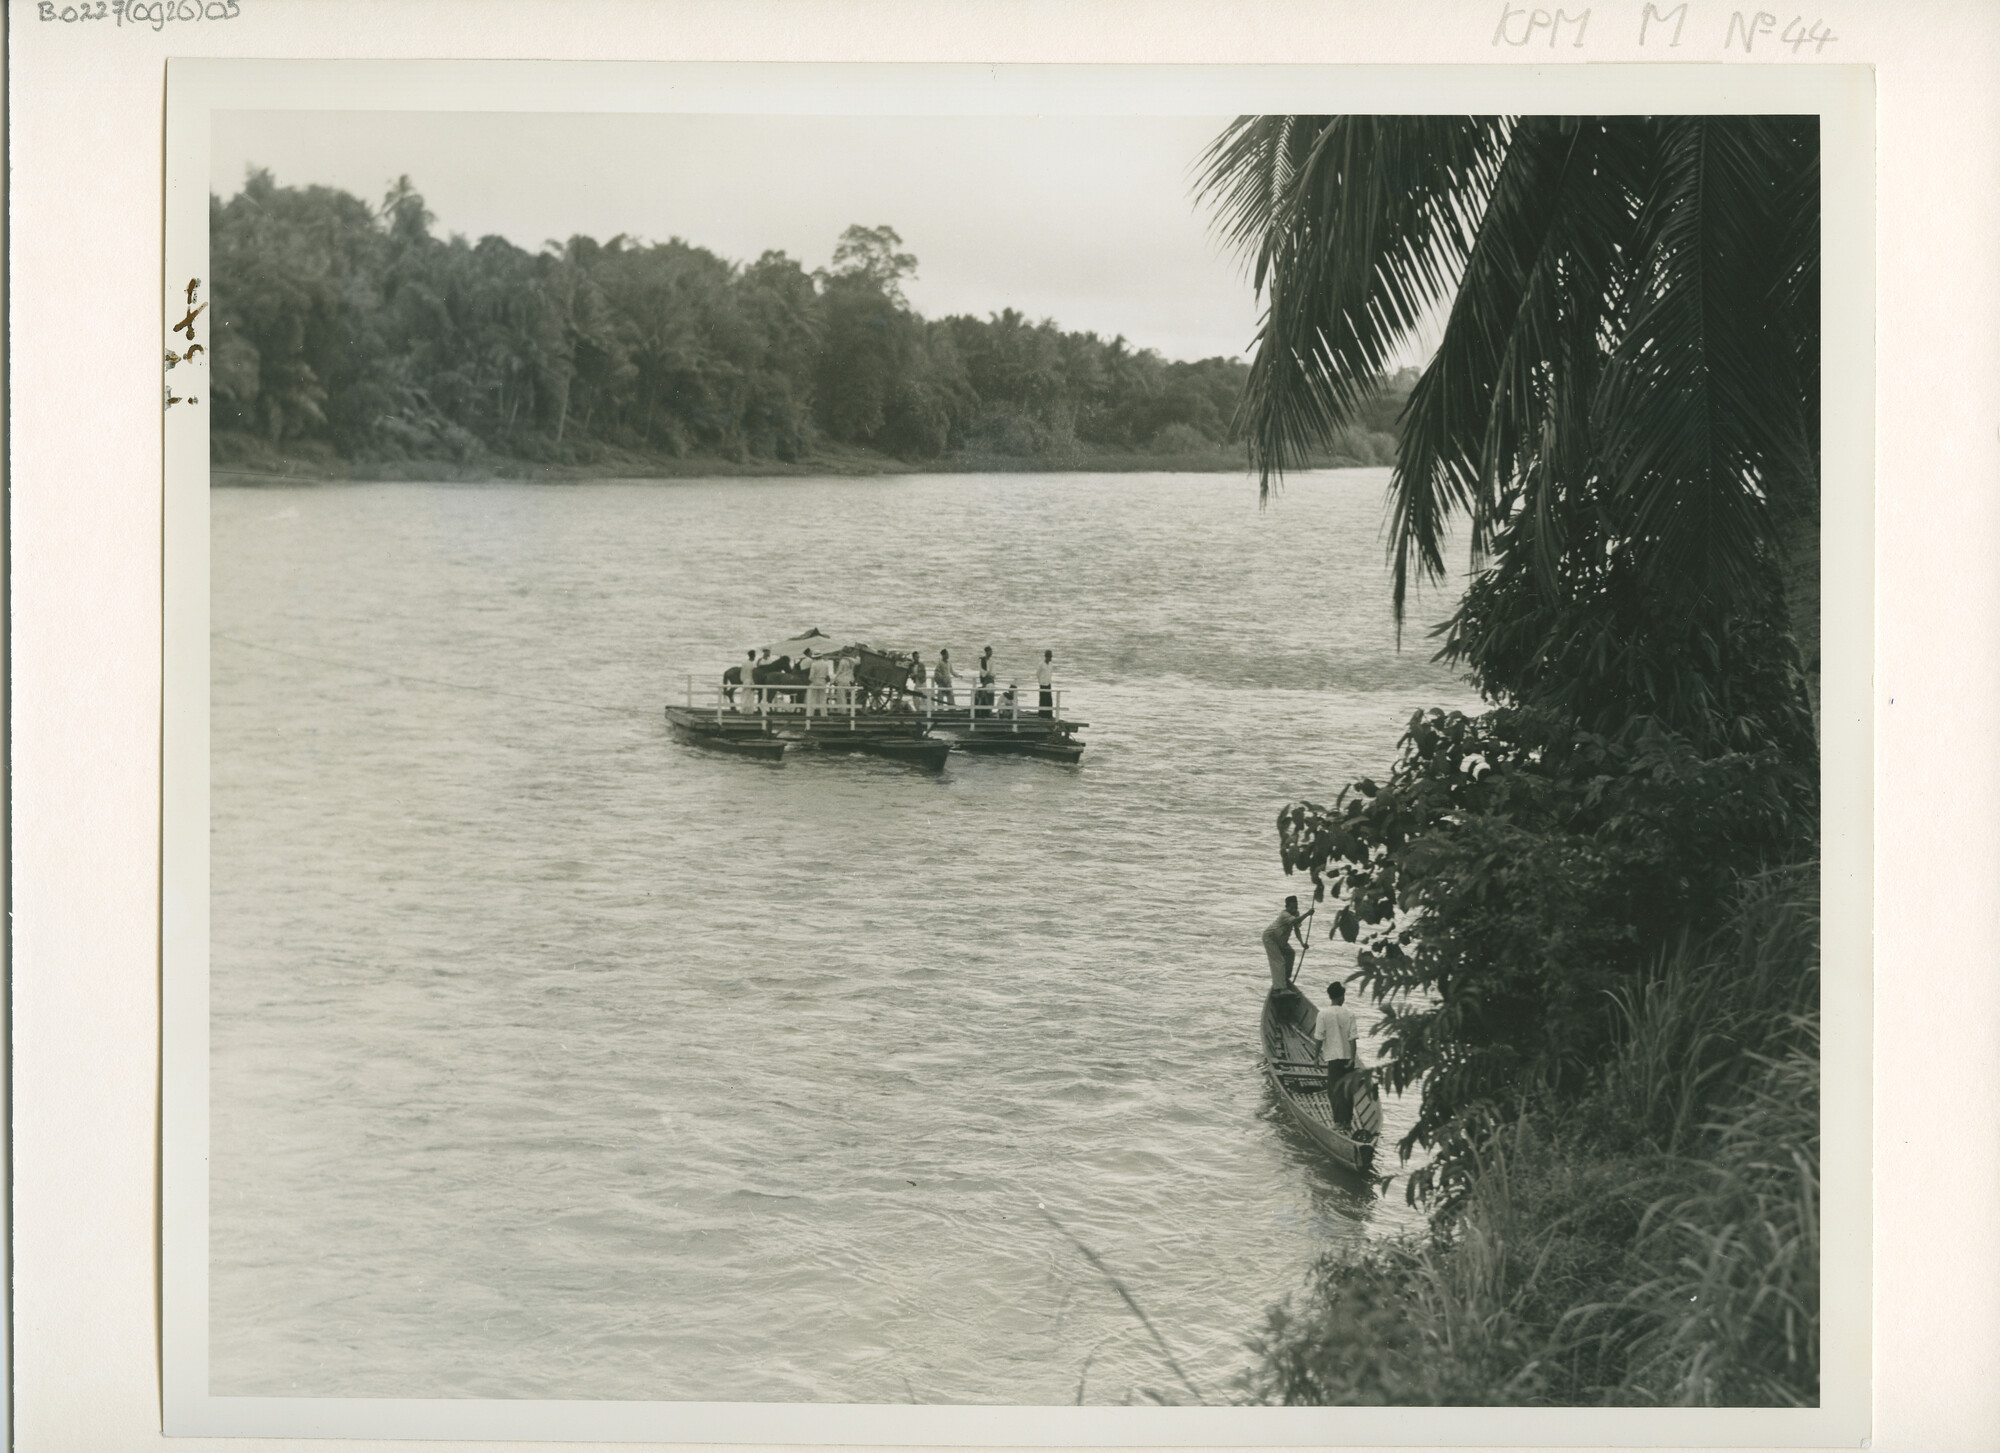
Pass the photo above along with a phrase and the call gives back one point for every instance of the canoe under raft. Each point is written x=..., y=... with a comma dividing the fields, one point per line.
x=993, y=732
x=1297, y=1072
x=746, y=735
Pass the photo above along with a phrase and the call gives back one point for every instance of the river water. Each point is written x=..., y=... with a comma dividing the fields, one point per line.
x=553, y=1058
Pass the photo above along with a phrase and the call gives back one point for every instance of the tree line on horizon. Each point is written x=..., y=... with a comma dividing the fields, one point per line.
x=357, y=331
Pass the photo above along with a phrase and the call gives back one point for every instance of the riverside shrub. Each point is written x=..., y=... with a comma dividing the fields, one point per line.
x=1655, y=1243
x=1511, y=878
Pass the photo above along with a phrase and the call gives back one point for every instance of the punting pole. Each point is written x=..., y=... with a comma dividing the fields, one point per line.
x=1300, y=962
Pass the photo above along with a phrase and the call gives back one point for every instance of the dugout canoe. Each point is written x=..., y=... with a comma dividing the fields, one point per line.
x=1293, y=1065
x=698, y=730
x=1048, y=748
x=770, y=735
x=995, y=731
x=928, y=753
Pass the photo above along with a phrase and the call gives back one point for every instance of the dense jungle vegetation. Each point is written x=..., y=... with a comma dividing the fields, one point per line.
x=1590, y=913
x=350, y=334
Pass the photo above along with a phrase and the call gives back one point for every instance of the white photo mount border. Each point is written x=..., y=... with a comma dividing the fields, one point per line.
x=1841, y=95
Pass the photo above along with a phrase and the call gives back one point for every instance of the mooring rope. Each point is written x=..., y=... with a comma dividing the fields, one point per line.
x=419, y=680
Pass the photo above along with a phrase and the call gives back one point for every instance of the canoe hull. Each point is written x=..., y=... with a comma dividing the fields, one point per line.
x=757, y=745
x=770, y=736
x=916, y=751
x=1303, y=1093
x=1048, y=749
x=1050, y=738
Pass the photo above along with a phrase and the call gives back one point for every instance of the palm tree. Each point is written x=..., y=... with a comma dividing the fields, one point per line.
x=1624, y=404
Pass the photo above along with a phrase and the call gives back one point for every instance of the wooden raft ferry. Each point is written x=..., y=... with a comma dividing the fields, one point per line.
x=1296, y=1071
x=875, y=712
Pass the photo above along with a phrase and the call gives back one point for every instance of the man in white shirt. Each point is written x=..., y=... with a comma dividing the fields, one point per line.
x=982, y=691
x=1340, y=1046
x=820, y=673
x=1045, y=677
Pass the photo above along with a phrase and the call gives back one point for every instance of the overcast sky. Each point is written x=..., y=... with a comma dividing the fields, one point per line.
x=1088, y=220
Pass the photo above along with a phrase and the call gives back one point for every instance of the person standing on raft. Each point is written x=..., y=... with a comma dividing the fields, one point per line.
x=817, y=678
x=982, y=694
x=1277, y=943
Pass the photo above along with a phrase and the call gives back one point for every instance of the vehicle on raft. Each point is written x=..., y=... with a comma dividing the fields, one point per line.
x=1297, y=1072
x=875, y=711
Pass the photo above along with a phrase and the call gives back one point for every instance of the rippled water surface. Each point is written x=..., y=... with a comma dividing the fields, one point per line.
x=553, y=1058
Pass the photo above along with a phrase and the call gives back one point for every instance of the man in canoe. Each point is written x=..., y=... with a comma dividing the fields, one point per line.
x=1340, y=1046
x=1277, y=944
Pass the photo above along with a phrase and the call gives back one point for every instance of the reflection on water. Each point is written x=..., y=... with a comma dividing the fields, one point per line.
x=554, y=1058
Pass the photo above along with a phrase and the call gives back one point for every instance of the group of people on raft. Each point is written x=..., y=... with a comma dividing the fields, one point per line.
x=829, y=682
x=1335, y=1029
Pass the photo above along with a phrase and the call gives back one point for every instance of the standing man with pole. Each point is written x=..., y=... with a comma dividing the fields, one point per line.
x=1277, y=946
x=1045, y=677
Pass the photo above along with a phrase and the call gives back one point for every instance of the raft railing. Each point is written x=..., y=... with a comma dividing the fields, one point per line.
x=856, y=704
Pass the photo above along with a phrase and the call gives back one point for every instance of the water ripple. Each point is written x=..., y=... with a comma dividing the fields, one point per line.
x=552, y=1058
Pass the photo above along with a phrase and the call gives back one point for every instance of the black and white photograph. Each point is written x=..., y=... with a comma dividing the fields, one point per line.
x=1024, y=757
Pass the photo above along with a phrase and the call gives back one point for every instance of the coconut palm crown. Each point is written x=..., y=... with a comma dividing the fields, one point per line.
x=1623, y=407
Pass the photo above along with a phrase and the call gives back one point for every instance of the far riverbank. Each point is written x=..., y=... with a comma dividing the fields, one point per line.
x=239, y=460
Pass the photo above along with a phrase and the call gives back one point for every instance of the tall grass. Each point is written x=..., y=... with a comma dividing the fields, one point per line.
x=1655, y=1243
x=1729, y=1315
x=1697, y=1030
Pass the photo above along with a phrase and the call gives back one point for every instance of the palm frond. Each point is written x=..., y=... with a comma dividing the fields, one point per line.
x=1361, y=225
x=1493, y=417
x=1699, y=414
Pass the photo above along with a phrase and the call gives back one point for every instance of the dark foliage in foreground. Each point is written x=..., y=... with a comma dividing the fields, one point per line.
x=355, y=332
x=1628, y=378
x=1512, y=877
x=1623, y=405
x=1624, y=409
x=1655, y=1242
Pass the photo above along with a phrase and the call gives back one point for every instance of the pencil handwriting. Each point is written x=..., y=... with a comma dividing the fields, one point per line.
x=154, y=13
x=1659, y=27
